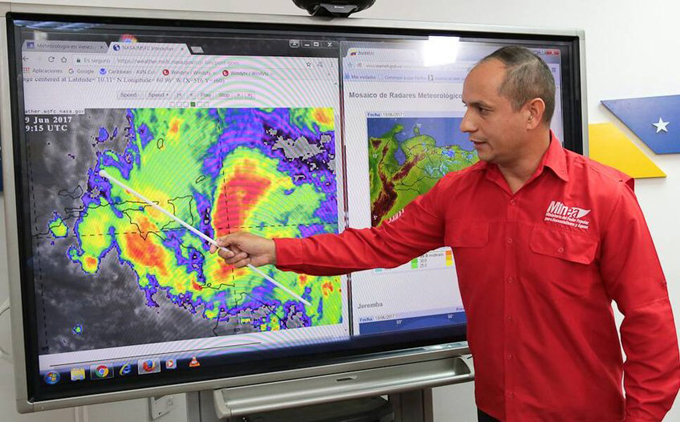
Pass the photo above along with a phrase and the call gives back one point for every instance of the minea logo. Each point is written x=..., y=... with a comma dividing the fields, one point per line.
x=570, y=216
x=558, y=208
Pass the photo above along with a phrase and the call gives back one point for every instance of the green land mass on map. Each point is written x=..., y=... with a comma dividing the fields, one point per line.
x=395, y=184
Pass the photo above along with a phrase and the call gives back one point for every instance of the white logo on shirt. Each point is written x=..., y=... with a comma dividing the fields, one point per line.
x=570, y=216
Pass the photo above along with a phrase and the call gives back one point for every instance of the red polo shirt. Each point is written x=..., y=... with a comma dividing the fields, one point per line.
x=538, y=271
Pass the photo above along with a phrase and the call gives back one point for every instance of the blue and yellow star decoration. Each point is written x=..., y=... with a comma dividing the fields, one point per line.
x=652, y=120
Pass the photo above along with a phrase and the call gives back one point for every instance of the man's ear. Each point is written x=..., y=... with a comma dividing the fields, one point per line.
x=535, y=109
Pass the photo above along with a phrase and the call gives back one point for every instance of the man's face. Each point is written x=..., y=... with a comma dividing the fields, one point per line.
x=498, y=133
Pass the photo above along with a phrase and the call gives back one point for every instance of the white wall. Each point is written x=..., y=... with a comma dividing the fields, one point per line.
x=631, y=52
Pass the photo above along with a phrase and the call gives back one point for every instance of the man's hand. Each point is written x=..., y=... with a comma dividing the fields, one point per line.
x=246, y=249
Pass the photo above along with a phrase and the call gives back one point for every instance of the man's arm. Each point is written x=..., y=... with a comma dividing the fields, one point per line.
x=420, y=228
x=632, y=273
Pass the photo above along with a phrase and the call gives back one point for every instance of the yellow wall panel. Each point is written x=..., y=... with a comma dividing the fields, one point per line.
x=610, y=146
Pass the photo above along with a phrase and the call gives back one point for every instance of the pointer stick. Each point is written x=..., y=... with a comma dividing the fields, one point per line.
x=103, y=173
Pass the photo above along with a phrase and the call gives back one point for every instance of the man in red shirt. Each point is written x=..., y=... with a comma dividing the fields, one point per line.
x=544, y=239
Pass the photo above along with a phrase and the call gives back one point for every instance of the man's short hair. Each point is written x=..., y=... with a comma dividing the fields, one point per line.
x=526, y=77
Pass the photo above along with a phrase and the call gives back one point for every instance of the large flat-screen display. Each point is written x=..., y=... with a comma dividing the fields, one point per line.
x=282, y=130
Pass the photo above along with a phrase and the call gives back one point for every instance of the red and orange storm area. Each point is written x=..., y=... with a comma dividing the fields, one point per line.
x=239, y=193
x=142, y=248
x=145, y=252
x=327, y=289
x=323, y=116
x=90, y=264
x=174, y=129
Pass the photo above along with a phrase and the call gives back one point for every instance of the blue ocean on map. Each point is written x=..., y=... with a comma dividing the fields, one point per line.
x=444, y=130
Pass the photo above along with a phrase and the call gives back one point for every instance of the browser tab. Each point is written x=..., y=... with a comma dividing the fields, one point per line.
x=391, y=54
x=143, y=48
x=64, y=46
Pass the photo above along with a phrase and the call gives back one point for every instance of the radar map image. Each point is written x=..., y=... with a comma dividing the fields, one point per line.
x=408, y=155
x=123, y=273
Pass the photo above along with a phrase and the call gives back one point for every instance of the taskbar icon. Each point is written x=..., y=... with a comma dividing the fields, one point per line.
x=77, y=374
x=149, y=366
x=101, y=371
x=52, y=377
x=125, y=370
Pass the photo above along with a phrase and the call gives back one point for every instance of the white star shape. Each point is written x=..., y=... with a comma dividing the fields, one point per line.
x=661, y=125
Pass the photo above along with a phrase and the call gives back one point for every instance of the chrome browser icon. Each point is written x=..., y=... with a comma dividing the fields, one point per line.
x=100, y=371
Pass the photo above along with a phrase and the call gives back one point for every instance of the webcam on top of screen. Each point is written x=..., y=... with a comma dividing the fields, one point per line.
x=333, y=8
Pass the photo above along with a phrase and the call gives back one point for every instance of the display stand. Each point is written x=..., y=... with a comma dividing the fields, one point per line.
x=315, y=399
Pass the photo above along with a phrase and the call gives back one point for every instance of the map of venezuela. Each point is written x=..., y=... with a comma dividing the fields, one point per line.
x=407, y=156
x=270, y=172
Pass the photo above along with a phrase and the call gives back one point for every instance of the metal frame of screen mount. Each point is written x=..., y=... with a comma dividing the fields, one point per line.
x=410, y=358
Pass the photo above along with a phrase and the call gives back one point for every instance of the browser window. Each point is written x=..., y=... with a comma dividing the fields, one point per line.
x=403, y=109
x=402, y=118
x=156, y=115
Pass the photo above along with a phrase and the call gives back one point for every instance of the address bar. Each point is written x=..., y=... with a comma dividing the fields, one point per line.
x=91, y=59
x=227, y=63
x=409, y=66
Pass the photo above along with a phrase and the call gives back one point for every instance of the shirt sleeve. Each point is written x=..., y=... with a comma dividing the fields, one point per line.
x=633, y=276
x=418, y=229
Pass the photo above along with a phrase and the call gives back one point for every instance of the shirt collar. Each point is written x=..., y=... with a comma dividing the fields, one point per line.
x=554, y=158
